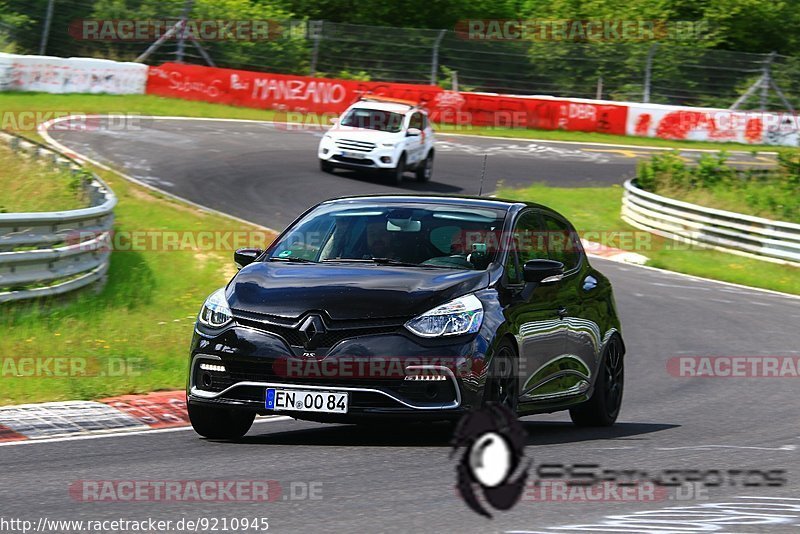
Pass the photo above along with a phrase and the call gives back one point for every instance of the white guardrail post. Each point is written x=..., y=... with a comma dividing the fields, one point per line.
x=50, y=253
x=756, y=237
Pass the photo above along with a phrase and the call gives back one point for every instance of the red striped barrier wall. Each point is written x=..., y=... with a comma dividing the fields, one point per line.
x=326, y=95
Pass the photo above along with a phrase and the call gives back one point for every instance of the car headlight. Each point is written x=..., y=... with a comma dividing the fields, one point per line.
x=388, y=145
x=463, y=315
x=215, y=311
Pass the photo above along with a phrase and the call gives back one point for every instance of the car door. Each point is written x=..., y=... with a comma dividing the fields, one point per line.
x=416, y=144
x=427, y=133
x=581, y=333
x=533, y=318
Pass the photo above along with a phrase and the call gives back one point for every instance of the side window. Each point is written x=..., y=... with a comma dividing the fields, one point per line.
x=416, y=121
x=528, y=243
x=562, y=242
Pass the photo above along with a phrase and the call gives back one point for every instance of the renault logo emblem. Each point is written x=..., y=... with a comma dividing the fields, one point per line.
x=311, y=328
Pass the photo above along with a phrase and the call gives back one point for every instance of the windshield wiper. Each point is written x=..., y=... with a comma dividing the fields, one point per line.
x=392, y=261
x=379, y=261
x=295, y=260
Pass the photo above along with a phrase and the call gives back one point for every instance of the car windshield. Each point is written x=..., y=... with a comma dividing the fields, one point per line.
x=413, y=234
x=373, y=119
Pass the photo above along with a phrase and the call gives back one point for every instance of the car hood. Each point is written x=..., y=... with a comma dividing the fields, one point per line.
x=347, y=291
x=364, y=134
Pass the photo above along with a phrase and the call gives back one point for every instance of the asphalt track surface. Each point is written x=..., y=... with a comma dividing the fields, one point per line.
x=268, y=173
x=402, y=480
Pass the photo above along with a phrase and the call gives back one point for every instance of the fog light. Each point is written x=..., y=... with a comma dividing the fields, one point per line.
x=207, y=380
x=386, y=159
x=212, y=367
x=325, y=151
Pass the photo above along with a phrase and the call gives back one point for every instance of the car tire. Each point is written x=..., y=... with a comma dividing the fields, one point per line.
x=604, y=405
x=502, y=382
x=324, y=166
x=396, y=174
x=219, y=423
x=425, y=168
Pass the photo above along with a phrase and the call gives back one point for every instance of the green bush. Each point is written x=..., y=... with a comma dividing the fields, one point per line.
x=711, y=182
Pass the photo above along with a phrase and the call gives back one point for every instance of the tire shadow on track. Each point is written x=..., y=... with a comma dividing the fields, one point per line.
x=439, y=434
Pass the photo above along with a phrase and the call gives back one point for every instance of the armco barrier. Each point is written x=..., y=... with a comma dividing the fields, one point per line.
x=51, y=253
x=764, y=239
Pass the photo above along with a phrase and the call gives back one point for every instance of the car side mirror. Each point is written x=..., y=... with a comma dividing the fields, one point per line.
x=542, y=271
x=413, y=132
x=246, y=256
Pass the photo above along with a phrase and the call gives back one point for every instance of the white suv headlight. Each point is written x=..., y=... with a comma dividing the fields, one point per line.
x=215, y=311
x=463, y=315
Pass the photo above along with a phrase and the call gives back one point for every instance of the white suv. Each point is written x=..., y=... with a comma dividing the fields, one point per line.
x=387, y=135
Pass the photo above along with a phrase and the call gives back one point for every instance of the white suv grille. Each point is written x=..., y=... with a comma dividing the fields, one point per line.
x=356, y=146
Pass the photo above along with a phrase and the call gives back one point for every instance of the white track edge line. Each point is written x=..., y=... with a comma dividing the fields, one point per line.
x=445, y=133
x=42, y=130
x=698, y=278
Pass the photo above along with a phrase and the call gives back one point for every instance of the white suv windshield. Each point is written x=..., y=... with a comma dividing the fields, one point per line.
x=373, y=119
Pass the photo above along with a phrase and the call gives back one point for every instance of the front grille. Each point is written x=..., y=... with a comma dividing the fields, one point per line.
x=366, y=162
x=291, y=336
x=334, y=332
x=356, y=146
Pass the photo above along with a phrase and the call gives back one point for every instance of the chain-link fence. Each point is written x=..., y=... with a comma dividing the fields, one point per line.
x=669, y=72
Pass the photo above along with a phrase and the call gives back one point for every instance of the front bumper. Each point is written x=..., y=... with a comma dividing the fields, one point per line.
x=372, y=369
x=377, y=158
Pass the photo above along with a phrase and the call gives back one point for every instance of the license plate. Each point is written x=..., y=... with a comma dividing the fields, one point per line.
x=306, y=401
x=356, y=155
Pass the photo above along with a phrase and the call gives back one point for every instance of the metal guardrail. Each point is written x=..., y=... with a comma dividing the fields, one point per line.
x=51, y=253
x=764, y=239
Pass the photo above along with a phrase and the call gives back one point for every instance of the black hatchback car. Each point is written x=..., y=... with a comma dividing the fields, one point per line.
x=386, y=307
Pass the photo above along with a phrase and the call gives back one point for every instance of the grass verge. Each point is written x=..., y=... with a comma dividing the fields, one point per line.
x=28, y=185
x=132, y=336
x=595, y=212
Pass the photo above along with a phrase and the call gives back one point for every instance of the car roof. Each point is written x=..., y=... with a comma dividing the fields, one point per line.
x=459, y=200
x=394, y=107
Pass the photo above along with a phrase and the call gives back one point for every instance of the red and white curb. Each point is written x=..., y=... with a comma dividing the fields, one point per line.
x=613, y=254
x=70, y=418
